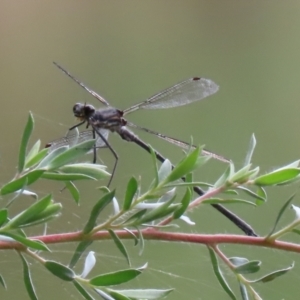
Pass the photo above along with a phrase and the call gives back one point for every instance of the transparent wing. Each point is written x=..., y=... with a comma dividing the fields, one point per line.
x=93, y=93
x=179, y=143
x=185, y=92
x=73, y=139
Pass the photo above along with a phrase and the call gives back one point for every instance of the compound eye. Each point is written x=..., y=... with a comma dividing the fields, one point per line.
x=78, y=109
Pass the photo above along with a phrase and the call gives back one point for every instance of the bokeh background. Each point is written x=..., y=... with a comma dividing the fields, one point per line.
x=127, y=51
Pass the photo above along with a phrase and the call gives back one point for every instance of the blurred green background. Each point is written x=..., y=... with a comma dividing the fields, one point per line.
x=127, y=51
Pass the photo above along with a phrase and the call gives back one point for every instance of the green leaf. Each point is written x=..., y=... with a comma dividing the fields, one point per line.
x=115, y=278
x=187, y=165
x=132, y=187
x=119, y=245
x=251, y=148
x=34, y=244
x=241, y=175
x=2, y=281
x=244, y=266
x=82, y=291
x=157, y=213
x=136, y=240
x=97, y=209
x=244, y=292
x=28, y=214
x=224, y=177
x=37, y=158
x=82, y=246
x=184, y=204
x=282, y=210
x=277, y=177
x=51, y=210
x=149, y=294
x=60, y=270
x=65, y=177
x=93, y=170
x=273, y=275
x=24, y=143
x=27, y=279
x=164, y=170
x=44, y=163
x=3, y=216
x=115, y=295
x=21, y=182
x=73, y=191
x=227, y=201
x=135, y=217
x=142, y=241
x=297, y=231
x=71, y=154
x=260, y=198
x=261, y=193
x=33, y=151
x=160, y=211
x=219, y=274
x=104, y=295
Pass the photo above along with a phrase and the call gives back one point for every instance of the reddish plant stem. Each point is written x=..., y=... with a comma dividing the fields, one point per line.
x=149, y=234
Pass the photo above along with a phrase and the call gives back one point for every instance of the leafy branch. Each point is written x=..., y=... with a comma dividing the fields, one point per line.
x=140, y=215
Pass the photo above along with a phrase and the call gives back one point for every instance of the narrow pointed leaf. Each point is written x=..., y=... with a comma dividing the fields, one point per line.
x=37, y=158
x=149, y=294
x=104, y=295
x=250, y=152
x=73, y=191
x=2, y=281
x=261, y=193
x=33, y=244
x=227, y=201
x=184, y=204
x=33, y=210
x=136, y=216
x=187, y=165
x=21, y=182
x=164, y=170
x=244, y=292
x=71, y=154
x=136, y=240
x=97, y=209
x=132, y=187
x=219, y=274
x=224, y=177
x=142, y=241
x=273, y=275
x=119, y=245
x=3, y=216
x=153, y=156
x=82, y=291
x=277, y=177
x=27, y=279
x=282, y=210
x=33, y=151
x=66, y=177
x=115, y=278
x=158, y=213
x=257, y=196
x=60, y=270
x=249, y=267
x=82, y=246
x=24, y=143
x=93, y=170
x=116, y=295
x=52, y=155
